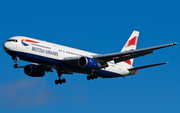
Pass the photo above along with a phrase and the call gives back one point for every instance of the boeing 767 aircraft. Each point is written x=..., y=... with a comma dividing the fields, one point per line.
x=46, y=56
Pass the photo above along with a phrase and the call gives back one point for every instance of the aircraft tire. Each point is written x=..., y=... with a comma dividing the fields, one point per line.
x=63, y=80
x=60, y=81
x=56, y=82
x=88, y=77
x=16, y=65
x=92, y=77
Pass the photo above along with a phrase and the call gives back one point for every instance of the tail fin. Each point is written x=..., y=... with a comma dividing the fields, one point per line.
x=131, y=45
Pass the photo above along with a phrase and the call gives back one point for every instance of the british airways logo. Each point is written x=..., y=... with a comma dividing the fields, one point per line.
x=25, y=42
x=133, y=41
x=41, y=50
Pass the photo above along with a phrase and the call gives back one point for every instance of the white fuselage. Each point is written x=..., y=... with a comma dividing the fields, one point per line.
x=47, y=53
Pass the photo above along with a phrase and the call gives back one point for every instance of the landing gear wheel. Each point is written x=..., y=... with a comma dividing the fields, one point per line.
x=16, y=65
x=60, y=81
x=56, y=82
x=88, y=77
x=64, y=80
x=92, y=77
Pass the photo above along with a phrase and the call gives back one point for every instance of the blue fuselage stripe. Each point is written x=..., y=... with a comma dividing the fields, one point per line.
x=59, y=63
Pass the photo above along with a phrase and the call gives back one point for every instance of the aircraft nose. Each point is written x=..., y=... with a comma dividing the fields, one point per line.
x=6, y=46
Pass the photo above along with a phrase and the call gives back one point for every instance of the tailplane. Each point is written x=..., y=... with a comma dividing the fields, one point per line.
x=131, y=44
x=147, y=66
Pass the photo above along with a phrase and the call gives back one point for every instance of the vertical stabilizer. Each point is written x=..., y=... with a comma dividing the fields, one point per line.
x=131, y=44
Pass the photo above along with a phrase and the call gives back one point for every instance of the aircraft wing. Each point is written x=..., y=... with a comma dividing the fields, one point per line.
x=119, y=56
x=123, y=56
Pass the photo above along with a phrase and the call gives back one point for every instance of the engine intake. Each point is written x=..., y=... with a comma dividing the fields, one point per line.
x=86, y=62
x=34, y=71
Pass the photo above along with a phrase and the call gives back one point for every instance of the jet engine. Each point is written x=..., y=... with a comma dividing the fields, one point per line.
x=34, y=70
x=86, y=62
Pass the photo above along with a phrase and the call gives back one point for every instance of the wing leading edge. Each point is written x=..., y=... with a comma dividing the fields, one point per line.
x=119, y=56
x=123, y=56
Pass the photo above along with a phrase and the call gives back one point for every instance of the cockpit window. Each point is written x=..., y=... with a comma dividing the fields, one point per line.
x=13, y=40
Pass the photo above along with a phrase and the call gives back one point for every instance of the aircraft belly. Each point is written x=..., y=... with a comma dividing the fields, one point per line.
x=108, y=72
x=112, y=71
x=47, y=61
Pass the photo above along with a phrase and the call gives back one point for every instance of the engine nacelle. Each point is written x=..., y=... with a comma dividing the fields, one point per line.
x=34, y=71
x=86, y=62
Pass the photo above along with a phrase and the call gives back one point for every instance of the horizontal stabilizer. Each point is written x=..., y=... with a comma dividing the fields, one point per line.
x=147, y=66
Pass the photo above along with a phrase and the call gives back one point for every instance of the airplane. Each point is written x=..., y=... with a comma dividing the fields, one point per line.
x=46, y=57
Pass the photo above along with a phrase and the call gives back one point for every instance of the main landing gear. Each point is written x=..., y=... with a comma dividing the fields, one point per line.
x=92, y=77
x=15, y=60
x=60, y=81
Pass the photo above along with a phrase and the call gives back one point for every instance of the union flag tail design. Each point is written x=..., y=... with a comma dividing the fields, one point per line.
x=131, y=45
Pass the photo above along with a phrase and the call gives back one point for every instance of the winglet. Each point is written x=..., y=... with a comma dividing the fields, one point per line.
x=175, y=43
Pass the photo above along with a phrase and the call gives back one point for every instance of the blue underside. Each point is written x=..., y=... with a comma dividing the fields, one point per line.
x=59, y=63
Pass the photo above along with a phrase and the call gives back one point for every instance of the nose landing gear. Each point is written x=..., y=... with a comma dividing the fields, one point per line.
x=15, y=60
x=16, y=65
